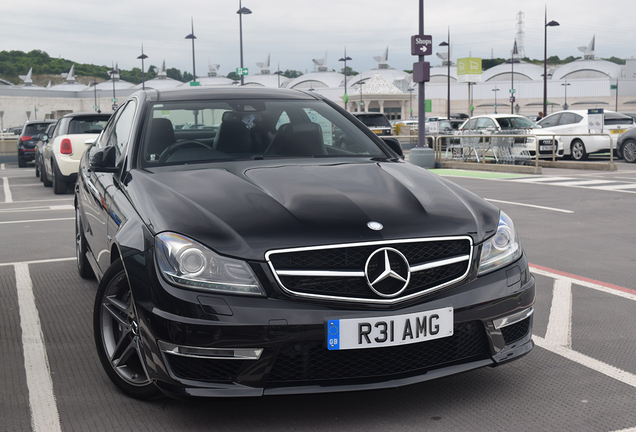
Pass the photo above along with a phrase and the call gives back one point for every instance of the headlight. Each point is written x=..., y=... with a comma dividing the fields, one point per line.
x=502, y=248
x=189, y=264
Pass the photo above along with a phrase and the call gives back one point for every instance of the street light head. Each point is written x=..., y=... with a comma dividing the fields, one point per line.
x=552, y=24
x=345, y=59
x=444, y=44
x=190, y=36
x=143, y=57
x=243, y=11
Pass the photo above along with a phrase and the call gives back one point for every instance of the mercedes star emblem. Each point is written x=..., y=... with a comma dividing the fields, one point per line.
x=388, y=272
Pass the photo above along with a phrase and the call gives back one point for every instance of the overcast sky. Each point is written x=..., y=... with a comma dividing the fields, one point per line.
x=296, y=31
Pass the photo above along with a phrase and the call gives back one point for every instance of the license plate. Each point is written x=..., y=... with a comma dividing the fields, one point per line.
x=378, y=131
x=618, y=131
x=545, y=147
x=360, y=333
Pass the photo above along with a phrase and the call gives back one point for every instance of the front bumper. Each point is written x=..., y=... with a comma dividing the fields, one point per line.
x=286, y=344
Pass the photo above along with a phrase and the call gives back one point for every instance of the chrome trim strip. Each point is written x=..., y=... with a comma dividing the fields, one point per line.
x=211, y=353
x=439, y=263
x=318, y=273
x=268, y=254
x=512, y=319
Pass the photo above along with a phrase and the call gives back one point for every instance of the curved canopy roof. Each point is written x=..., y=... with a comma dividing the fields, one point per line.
x=589, y=68
x=522, y=72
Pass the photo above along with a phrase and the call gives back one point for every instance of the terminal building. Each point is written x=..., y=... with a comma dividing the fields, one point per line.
x=586, y=83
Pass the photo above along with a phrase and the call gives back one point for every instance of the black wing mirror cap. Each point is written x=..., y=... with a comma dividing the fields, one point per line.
x=394, y=145
x=104, y=160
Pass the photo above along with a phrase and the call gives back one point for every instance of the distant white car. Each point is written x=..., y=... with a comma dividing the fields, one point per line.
x=576, y=139
x=61, y=152
x=494, y=124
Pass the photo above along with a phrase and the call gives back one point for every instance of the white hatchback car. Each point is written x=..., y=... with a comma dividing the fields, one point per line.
x=576, y=136
x=61, y=152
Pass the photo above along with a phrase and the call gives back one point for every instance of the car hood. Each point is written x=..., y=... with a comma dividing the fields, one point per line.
x=246, y=210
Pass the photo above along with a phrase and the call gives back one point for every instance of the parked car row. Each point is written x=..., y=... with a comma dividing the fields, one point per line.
x=56, y=146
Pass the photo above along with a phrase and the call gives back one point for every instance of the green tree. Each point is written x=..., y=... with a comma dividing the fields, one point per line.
x=292, y=73
x=350, y=72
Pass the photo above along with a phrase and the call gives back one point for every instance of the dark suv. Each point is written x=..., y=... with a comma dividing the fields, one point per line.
x=377, y=122
x=29, y=138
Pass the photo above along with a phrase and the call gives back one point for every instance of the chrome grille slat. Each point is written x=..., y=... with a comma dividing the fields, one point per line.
x=337, y=272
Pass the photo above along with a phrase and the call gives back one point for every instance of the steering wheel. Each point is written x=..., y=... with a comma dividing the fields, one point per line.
x=172, y=149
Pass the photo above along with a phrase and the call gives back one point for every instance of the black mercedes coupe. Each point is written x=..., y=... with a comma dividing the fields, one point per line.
x=241, y=252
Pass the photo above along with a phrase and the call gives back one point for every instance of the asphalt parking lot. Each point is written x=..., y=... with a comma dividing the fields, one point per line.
x=581, y=376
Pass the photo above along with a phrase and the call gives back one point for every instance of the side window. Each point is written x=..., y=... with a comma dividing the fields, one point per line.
x=284, y=118
x=485, y=123
x=552, y=120
x=328, y=128
x=569, y=118
x=123, y=126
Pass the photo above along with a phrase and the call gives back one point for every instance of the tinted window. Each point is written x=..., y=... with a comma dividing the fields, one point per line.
x=515, y=123
x=551, y=120
x=485, y=123
x=569, y=118
x=617, y=119
x=35, y=128
x=87, y=124
x=374, y=120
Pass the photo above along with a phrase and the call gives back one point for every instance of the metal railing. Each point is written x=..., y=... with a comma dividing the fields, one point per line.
x=475, y=147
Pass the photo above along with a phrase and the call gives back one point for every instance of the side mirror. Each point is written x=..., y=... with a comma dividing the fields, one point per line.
x=104, y=160
x=90, y=141
x=394, y=145
x=44, y=137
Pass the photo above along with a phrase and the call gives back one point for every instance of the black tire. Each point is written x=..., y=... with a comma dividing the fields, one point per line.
x=577, y=150
x=120, y=343
x=45, y=178
x=59, y=185
x=629, y=151
x=37, y=170
x=21, y=162
x=83, y=266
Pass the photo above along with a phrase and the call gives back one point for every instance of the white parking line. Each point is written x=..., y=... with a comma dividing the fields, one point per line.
x=40, y=208
x=43, y=407
x=1, y=166
x=35, y=220
x=558, y=334
x=7, y=191
x=42, y=200
x=530, y=205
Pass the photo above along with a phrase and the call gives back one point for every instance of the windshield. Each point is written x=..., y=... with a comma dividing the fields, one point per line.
x=35, y=128
x=208, y=131
x=515, y=123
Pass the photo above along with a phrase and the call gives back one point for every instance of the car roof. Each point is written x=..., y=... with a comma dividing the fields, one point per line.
x=87, y=114
x=30, y=122
x=223, y=92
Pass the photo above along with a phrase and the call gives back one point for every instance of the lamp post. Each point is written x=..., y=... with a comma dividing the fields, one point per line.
x=96, y=107
x=192, y=37
x=565, y=104
x=410, y=90
x=361, y=83
x=545, y=60
x=112, y=73
x=495, y=90
x=242, y=11
x=142, y=57
x=448, y=64
x=279, y=73
x=344, y=59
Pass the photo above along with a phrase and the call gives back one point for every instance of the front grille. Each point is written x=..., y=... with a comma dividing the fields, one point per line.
x=312, y=361
x=320, y=272
x=199, y=369
x=515, y=332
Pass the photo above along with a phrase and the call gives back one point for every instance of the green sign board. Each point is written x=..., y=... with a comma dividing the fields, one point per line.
x=428, y=105
x=345, y=98
x=469, y=69
x=243, y=71
x=194, y=83
x=613, y=86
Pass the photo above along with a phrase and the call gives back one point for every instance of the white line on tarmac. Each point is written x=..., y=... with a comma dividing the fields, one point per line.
x=42, y=200
x=530, y=205
x=582, y=359
x=7, y=192
x=560, y=321
x=40, y=208
x=44, y=261
x=44, y=414
x=1, y=166
x=35, y=220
